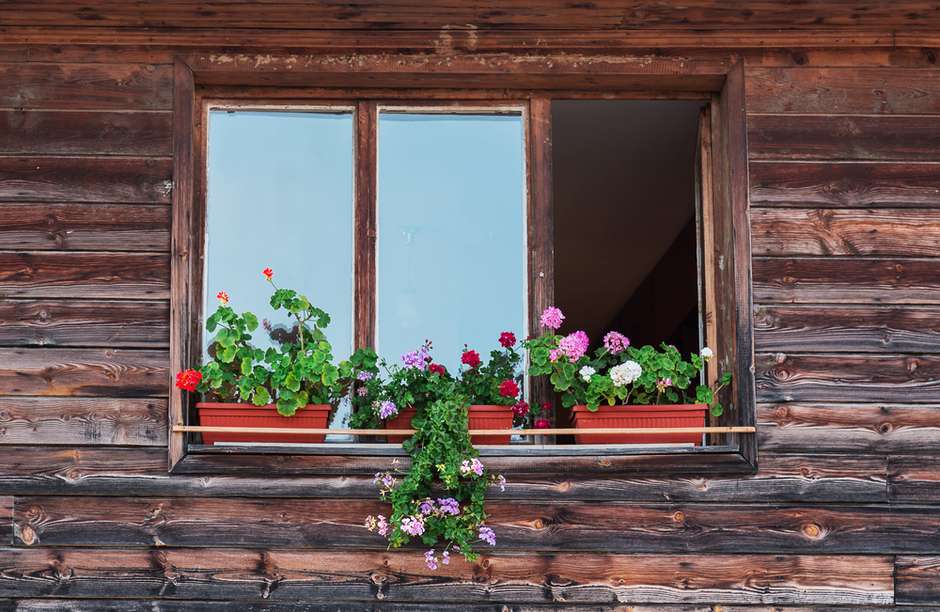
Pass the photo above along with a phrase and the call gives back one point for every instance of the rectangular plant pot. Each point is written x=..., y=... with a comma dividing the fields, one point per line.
x=490, y=417
x=680, y=415
x=217, y=414
x=401, y=421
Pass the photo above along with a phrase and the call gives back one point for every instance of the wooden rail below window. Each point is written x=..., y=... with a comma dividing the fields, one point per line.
x=480, y=432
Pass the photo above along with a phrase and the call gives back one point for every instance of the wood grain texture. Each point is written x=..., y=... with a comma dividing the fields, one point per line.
x=913, y=478
x=888, y=232
x=835, y=137
x=83, y=372
x=849, y=90
x=84, y=275
x=85, y=86
x=837, y=328
x=836, y=185
x=386, y=578
x=40, y=470
x=86, y=179
x=103, y=323
x=845, y=280
x=814, y=377
x=863, y=429
x=917, y=580
x=614, y=527
x=72, y=420
x=84, y=227
x=86, y=133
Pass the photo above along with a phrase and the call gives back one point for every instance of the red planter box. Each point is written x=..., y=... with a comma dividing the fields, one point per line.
x=490, y=417
x=680, y=415
x=401, y=421
x=248, y=415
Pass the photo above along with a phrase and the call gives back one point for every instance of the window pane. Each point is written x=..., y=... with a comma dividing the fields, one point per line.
x=451, y=247
x=280, y=194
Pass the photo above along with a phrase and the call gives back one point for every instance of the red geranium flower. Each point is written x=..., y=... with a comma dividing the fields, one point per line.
x=547, y=406
x=508, y=388
x=436, y=368
x=268, y=273
x=470, y=358
x=521, y=408
x=542, y=424
x=188, y=380
x=507, y=339
x=222, y=296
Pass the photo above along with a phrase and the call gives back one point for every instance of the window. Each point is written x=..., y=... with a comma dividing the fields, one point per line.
x=456, y=220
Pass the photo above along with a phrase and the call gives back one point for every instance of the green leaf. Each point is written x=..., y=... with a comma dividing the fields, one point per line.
x=251, y=321
x=246, y=366
x=262, y=396
x=227, y=355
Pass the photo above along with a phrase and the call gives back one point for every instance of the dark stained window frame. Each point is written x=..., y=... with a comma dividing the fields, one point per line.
x=719, y=83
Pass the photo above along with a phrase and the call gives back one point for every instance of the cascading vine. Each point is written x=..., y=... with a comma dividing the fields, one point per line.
x=440, y=499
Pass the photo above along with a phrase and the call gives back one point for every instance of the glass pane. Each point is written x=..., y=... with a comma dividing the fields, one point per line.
x=451, y=247
x=280, y=195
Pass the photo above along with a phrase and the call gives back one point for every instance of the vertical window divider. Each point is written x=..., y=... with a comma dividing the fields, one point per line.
x=364, y=242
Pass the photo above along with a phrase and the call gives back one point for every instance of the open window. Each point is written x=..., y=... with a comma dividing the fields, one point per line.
x=452, y=222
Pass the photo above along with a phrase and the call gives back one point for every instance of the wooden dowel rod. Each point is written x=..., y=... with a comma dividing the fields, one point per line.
x=481, y=432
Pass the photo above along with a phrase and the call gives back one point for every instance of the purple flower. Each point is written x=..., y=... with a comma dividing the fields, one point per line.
x=362, y=392
x=430, y=560
x=551, y=317
x=387, y=409
x=413, y=525
x=449, y=505
x=364, y=376
x=426, y=507
x=487, y=535
x=377, y=523
x=445, y=558
x=471, y=466
x=615, y=342
x=417, y=359
x=384, y=480
x=500, y=481
x=574, y=345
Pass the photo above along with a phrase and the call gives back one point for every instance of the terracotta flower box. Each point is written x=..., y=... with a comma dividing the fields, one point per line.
x=401, y=421
x=679, y=415
x=490, y=417
x=215, y=414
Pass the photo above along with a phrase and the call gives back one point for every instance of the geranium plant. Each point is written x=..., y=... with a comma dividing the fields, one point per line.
x=496, y=382
x=618, y=373
x=440, y=499
x=298, y=371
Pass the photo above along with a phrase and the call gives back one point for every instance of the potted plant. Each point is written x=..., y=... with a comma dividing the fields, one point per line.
x=292, y=385
x=398, y=401
x=639, y=387
x=440, y=499
x=493, y=389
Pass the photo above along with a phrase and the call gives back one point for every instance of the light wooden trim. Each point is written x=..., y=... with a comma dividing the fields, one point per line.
x=474, y=432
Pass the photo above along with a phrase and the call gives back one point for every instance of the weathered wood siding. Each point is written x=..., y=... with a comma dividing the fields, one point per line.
x=844, y=148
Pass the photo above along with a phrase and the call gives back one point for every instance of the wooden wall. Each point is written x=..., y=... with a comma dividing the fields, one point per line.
x=844, y=148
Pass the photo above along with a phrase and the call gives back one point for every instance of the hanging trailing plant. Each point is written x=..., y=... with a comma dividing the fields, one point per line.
x=440, y=499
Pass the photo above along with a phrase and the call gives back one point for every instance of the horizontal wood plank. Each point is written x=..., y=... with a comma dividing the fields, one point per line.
x=785, y=377
x=72, y=420
x=84, y=372
x=615, y=527
x=86, y=86
x=84, y=275
x=840, y=137
x=842, y=90
x=837, y=328
x=862, y=429
x=104, y=323
x=917, y=580
x=38, y=470
x=889, y=232
x=836, y=185
x=86, y=179
x=914, y=478
x=86, y=227
x=845, y=280
x=388, y=577
x=86, y=133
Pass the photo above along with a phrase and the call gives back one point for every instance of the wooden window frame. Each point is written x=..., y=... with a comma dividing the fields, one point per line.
x=373, y=84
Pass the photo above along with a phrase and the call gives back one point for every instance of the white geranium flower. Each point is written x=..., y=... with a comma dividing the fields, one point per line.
x=586, y=373
x=625, y=373
x=707, y=353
